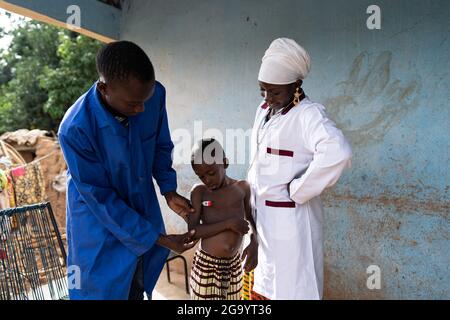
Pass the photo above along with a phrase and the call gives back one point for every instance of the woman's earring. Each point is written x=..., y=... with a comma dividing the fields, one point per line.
x=296, y=96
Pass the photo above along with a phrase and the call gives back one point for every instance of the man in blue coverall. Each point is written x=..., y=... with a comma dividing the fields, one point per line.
x=115, y=139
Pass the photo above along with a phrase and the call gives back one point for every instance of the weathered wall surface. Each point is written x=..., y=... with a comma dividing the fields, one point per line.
x=387, y=89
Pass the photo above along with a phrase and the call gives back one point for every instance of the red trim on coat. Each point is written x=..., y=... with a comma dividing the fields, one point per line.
x=278, y=152
x=280, y=204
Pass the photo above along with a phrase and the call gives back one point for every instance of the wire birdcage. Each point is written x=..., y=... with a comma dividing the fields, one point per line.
x=32, y=255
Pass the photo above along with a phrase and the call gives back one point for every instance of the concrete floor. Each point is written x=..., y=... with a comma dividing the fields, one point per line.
x=176, y=290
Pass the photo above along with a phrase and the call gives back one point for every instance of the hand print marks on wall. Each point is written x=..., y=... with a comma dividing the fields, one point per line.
x=372, y=101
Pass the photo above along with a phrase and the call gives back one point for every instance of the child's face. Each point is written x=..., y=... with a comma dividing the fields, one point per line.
x=212, y=175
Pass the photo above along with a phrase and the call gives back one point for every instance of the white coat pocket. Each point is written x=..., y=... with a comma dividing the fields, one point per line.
x=281, y=216
x=278, y=164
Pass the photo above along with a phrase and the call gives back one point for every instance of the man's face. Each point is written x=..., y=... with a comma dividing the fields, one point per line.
x=127, y=96
x=212, y=175
x=277, y=96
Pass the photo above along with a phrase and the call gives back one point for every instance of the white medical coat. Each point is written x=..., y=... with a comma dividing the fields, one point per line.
x=294, y=157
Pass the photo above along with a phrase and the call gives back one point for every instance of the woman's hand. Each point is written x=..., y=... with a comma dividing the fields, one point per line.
x=238, y=225
x=251, y=253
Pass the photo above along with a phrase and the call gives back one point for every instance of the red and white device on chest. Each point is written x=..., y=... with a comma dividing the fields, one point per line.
x=207, y=203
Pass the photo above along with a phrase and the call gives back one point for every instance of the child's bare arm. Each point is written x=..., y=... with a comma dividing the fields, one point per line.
x=250, y=253
x=208, y=230
x=248, y=206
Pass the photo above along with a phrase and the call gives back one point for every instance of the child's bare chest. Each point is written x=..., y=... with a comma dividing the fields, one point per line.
x=222, y=205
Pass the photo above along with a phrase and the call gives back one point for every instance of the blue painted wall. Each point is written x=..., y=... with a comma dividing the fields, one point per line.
x=387, y=89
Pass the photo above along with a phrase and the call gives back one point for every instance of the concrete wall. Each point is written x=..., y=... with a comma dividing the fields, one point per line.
x=387, y=89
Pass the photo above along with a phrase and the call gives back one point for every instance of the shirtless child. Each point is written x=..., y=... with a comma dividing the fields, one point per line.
x=221, y=206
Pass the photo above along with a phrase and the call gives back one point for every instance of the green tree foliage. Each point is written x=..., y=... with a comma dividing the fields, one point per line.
x=43, y=72
x=74, y=75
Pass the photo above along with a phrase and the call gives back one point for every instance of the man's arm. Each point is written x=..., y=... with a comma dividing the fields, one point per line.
x=177, y=242
x=208, y=230
x=92, y=182
x=127, y=225
x=196, y=201
x=179, y=204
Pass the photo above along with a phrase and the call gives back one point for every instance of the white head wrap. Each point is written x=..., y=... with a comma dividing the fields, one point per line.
x=284, y=62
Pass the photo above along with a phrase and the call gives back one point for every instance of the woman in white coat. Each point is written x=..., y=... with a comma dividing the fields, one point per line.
x=296, y=152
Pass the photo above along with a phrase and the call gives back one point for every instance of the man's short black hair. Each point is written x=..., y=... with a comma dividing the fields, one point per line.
x=122, y=59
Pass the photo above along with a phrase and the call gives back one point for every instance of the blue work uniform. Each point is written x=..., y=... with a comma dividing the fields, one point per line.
x=113, y=215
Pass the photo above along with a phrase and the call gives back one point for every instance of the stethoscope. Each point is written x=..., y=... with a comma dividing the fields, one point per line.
x=259, y=139
x=267, y=123
x=264, y=125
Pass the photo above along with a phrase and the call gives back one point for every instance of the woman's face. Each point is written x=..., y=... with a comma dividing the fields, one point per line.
x=277, y=96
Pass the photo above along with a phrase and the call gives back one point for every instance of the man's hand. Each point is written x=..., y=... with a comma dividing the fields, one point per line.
x=251, y=252
x=177, y=242
x=238, y=225
x=180, y=205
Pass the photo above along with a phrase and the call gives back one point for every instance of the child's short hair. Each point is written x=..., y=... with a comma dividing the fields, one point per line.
x=207, y=151
x=121, y=59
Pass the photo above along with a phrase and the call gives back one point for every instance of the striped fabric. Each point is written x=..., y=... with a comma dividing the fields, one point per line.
x=247, y=291
x=214, y=278
x=247, y=285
